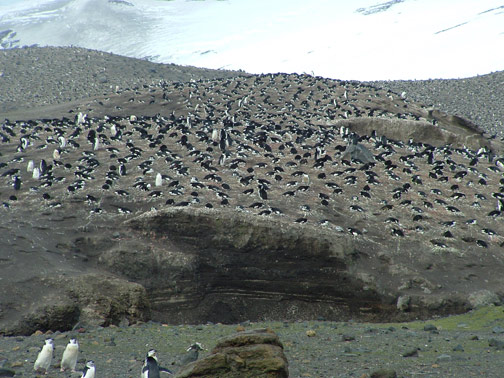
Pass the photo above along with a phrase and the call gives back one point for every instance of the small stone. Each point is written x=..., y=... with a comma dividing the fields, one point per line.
x=240, y=328
x=16, y=348
x=443, y=358
x=411, y=353
x=347, y=338
x=384, y=373
x=430, y=327
x=497, y=329
x=311, y=333
x=4, y=372
x=38, y=333
x=497, y=344
x=16, y=364
x=475, y=338
x=458, y=348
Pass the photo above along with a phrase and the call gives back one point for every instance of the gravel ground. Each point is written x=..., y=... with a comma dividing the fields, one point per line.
x=478, y=99
x=457, y=346
x=35, y=76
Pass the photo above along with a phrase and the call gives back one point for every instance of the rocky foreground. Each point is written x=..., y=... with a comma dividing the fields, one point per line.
x=468, y=345
x=239, y=198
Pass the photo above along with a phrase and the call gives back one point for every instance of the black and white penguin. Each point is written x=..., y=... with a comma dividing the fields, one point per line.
x=192, y=354
x=69, y=359
x=44, y=357
x=151, y=367
x=17, y=183
x=89, y=370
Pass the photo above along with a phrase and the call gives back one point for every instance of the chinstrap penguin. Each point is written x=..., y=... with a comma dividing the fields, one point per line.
x=44, y=357
x=151, y=368
x=89, y=370
x=69, y=359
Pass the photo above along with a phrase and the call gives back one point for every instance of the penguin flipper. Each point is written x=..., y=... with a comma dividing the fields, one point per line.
x=145, y=371
x=165, y=370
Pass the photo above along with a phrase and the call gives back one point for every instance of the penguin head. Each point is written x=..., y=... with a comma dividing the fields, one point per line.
x=152, y=354
x=195, y=346
x=72, y=341
x=49, y=342
x=90, y=364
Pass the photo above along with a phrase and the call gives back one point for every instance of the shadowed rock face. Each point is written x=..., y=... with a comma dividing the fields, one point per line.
x=247, y=266
x=258, y=214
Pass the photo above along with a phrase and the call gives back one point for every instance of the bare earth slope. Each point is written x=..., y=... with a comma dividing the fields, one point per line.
x=279, y=197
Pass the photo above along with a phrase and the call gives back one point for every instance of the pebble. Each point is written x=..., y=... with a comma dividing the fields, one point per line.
x=384, y=373
x=311, y=333
x=411, y=353
x=497, y=344
x=497, y=329
x=430, y=327
x=458, y=348
x=443, y=358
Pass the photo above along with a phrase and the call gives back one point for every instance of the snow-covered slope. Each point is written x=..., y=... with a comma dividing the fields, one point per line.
x=362, y=39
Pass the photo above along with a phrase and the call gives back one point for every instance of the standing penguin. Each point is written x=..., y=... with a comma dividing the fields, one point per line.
x=192, y=354
x=44, y=357
x=159, y=179
x=150, y=368
x=89, y=370
x=69, y=359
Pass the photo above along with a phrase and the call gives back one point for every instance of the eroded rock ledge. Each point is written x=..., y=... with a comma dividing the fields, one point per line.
x=245, y=267
x=227, y=266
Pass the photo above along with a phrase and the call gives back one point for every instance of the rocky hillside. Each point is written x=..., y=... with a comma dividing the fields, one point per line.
x=252, y=197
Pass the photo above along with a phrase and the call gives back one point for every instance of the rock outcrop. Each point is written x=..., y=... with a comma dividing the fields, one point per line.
x=87, y=300
x=256, y=353
x=238, y=267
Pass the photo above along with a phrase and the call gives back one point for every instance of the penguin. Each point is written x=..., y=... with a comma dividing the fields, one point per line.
x=44, y=357
x=36, y=173
x=159, y=179
x=69, y=359
x=96, y=144
x=150, y=368
x=89, y=370
x=192, y=354
x=17, y=183
x=62, y=141
x=30, y=166
x=43, y=166
x=122, y=170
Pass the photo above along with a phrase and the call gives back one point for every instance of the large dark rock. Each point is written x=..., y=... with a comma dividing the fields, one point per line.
x=87, y=300
x=256, y=353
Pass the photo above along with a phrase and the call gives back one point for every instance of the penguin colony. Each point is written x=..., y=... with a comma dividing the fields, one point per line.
x=260, y=145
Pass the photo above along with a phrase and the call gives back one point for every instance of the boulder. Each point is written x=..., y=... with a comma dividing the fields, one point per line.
x=88, y=300
x=255, y=353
